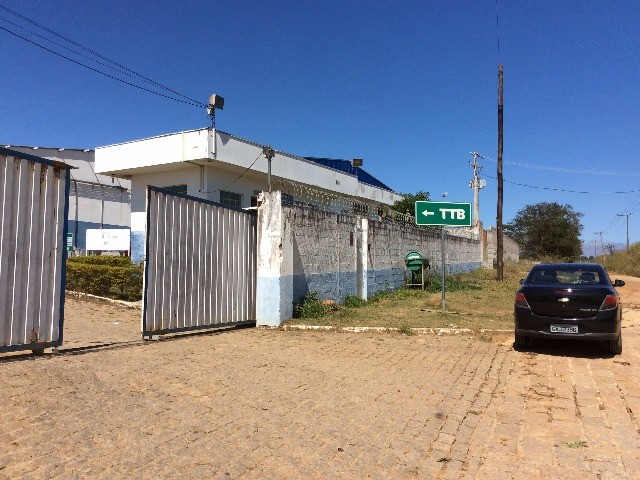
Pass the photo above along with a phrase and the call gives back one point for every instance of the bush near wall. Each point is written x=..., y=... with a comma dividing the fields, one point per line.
x=106, y=276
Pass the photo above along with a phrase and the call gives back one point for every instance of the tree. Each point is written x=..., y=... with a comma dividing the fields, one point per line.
x=408, y=204
x=547, y=229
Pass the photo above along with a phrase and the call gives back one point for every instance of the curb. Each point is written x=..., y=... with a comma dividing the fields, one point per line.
x=122, y=303
x=417, y=330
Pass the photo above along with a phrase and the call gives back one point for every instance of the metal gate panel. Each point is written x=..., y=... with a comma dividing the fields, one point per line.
x=33, y=225
x=200, y=268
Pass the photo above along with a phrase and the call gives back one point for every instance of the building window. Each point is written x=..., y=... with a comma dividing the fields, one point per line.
x=177, y=189
x=287, y=200
x=231, y=199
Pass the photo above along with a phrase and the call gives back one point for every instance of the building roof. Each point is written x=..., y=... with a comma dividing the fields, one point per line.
x=347, y=167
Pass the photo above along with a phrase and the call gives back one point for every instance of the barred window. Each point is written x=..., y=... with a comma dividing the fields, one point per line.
x=230, y=199
x=177, y=189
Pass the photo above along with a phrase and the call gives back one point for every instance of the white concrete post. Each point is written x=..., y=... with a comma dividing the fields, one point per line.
x=274, y=282
x=362, y=258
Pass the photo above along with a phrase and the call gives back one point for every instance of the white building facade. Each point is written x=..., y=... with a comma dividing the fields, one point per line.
x=223, y=168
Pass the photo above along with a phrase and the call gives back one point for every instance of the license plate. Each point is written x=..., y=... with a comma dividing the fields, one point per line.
x=564, y=329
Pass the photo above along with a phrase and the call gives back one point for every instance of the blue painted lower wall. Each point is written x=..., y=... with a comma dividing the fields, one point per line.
x=273, y=299
x=337, y=285
x=334, y=286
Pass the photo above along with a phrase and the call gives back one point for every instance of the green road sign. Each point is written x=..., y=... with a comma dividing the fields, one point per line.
x=69, y=242
x=443, y=213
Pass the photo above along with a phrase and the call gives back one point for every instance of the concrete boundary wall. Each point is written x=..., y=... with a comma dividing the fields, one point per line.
x=304, y=249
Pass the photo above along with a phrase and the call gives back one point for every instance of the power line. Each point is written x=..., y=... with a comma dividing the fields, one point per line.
x=559, y=189
x=195, y=104
x=93, y=52
x=69, y=48
x=568, y=170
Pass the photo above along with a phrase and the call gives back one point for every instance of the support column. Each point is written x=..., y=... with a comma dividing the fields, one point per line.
x=274, y=282
x=362, y=258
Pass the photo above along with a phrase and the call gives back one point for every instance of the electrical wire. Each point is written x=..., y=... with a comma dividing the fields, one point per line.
x=70, y=49
x=498, y=29
x=559, y=189
x=195, y=104
x=566, y=170
x=241, y=175
x=124, y=69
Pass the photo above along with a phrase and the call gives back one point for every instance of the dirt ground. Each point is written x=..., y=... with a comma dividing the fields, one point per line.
x=254, y=403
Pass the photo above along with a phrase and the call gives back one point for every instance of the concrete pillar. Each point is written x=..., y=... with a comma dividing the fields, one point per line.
x=362, y=257
x=274, y=283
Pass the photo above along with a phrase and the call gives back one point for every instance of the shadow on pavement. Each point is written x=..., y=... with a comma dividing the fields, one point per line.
x=98, y=347
x=568, y=348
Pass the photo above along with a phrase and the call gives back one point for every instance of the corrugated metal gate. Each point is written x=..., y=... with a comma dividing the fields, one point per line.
x=200, y=269
x=33, y=227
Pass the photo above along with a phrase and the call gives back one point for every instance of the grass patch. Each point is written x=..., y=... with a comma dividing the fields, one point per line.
x=474, y=300
x=577, y=444
x=309, y=307
x=405, y=330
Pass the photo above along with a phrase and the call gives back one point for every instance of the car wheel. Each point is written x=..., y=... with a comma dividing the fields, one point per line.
x=615, y=346
x=520, y=341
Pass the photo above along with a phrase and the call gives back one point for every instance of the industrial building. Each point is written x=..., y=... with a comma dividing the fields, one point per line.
x=229, y=170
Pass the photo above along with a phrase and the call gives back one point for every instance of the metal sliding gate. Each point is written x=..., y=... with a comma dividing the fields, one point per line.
x=200, y=268
x=34, y=202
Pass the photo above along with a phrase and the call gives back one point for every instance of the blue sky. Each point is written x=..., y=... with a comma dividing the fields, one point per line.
x=411, y=87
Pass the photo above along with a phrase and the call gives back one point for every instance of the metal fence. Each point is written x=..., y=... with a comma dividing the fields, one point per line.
x=200, y=268
x=33, y=224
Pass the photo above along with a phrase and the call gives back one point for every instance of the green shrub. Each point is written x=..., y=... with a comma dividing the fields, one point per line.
x=352, y=301
x=115, y=279
x=109, y=260
x=309, y=307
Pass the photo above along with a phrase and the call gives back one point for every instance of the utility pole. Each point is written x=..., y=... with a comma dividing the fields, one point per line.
x=601, y=244
x=626, y=215
x=500, y=246
x=595, y=248
x=476, y=184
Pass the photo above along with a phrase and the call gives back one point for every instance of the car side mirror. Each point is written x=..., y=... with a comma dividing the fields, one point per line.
x=618, y=283
x=521, y=281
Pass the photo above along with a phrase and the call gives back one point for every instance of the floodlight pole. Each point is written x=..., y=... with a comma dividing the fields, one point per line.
x=269, y=153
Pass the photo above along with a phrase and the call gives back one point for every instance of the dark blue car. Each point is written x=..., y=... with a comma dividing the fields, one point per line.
x=568, y=300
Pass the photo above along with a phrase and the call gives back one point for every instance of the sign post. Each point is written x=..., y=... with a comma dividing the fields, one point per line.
x=444, y=214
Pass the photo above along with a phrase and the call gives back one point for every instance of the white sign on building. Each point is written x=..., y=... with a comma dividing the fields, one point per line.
x=111, y=239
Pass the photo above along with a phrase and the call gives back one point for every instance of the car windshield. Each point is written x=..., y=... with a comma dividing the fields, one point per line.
x=566, y=275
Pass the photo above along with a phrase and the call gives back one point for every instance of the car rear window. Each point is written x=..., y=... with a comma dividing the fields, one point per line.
x=566, y=275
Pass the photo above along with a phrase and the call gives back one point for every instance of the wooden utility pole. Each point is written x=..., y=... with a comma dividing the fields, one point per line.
x=500, y=245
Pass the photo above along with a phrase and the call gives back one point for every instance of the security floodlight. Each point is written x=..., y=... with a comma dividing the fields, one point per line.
x=216, y=102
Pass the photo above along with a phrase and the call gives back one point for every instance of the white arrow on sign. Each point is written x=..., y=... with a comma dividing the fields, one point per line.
x=426, y=213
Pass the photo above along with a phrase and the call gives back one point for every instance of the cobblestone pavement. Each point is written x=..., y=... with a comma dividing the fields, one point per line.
x=257, y=403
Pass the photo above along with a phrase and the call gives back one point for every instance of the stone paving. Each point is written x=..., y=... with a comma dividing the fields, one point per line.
x=254, y=403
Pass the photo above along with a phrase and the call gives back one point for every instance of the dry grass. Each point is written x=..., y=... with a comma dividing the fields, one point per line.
x=477, y=301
